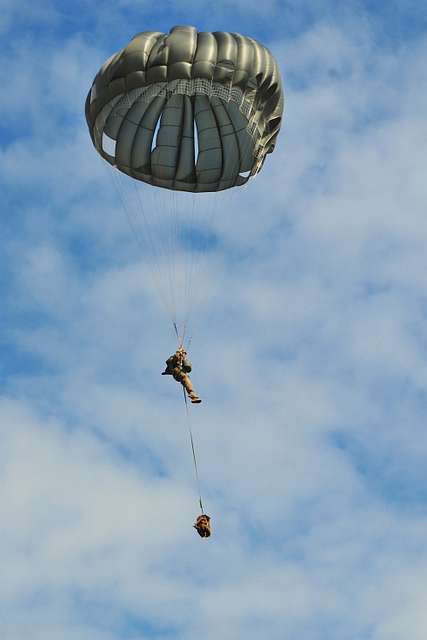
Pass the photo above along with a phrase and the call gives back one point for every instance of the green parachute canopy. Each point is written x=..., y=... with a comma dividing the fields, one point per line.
x=187, y=111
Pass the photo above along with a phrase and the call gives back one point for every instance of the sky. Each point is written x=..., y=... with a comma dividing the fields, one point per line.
x=309, y=346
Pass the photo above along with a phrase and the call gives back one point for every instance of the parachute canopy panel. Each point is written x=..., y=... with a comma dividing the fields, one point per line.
x=186, y=110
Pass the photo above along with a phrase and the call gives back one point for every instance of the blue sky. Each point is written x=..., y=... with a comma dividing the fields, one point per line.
x=309, y=347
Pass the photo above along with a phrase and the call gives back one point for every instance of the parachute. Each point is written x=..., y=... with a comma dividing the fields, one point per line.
x=212, y=101
x=195, y=114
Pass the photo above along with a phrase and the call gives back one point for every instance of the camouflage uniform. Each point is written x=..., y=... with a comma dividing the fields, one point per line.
x=179, y=366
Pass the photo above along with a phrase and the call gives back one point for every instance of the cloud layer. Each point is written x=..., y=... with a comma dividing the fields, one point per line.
x=308, y=347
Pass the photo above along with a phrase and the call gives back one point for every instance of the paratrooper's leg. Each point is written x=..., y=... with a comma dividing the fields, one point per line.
x=188, y=385
x=185, y=380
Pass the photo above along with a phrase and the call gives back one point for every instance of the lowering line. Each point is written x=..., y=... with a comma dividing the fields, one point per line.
x=193, y=450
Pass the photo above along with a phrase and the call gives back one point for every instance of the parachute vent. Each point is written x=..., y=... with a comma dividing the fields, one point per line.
x=196, y=142
x=108, y=145
x=155, y=134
